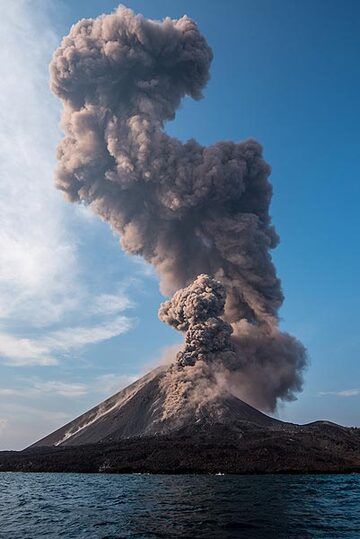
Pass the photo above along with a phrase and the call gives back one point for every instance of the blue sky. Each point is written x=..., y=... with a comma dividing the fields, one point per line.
x=77, y=317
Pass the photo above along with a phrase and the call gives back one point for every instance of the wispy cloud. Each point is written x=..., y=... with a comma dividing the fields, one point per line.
x=22, y=351
x=51, y=387
x=54, y=301
x=104, y=385
x=38, y=252
x=45, y=350
x=72, y=338
x=108, y=304
x=344, y=393
x=48, y=305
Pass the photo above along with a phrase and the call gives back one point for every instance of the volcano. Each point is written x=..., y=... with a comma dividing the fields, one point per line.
x=138, y=411
x=132, y=431
x=200, y=215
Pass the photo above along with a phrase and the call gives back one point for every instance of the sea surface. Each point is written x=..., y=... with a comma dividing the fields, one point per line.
x=149, y=506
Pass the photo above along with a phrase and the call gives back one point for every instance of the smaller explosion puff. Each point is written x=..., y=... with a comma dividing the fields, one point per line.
x=196, y=309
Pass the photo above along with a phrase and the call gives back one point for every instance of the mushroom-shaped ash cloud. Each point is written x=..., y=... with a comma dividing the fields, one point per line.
x=196, y=309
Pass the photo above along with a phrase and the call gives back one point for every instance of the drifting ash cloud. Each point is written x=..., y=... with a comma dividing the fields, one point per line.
x=185, y=208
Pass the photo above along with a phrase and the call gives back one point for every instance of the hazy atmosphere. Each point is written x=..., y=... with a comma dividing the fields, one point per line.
x=78, y=314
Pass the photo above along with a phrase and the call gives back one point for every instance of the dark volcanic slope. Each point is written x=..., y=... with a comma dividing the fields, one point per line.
x=131, y=412
x=138, y=411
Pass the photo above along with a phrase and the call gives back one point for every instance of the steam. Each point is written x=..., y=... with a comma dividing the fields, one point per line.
x=187, y=209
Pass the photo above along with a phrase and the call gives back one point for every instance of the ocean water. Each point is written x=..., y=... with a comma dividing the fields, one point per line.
x=150, y=506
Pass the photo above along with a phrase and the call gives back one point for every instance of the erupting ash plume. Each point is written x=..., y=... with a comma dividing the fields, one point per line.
x=196, y=310
x=187, y=209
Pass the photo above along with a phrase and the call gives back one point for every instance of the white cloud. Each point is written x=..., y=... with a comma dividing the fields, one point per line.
x=9, y=392
x=44, y=349
x=61, y=388
x=38, y=253
x=37, y=388
x=344, y=393
x=70, y=338
x=44, y=284
x=33, y=388
x=53, y=302
x=110, y=303
x=21, y=351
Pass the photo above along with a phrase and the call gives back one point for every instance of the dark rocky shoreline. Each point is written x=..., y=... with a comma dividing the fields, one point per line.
x=320, y=447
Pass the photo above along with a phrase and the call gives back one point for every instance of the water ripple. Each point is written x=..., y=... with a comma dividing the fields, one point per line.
x=79, y=506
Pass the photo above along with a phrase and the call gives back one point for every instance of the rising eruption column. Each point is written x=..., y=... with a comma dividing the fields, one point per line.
x=187, y=209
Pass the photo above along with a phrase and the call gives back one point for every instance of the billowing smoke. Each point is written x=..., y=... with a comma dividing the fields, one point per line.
x=187, y=209
x=196, y=310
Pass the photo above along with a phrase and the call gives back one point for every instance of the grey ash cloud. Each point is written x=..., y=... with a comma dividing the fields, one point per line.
x=185, y=208
x=196, y=309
